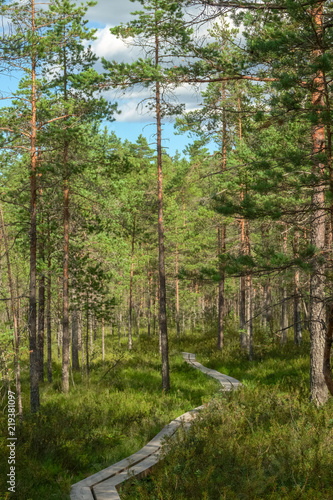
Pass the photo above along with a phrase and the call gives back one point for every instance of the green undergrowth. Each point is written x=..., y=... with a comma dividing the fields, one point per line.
x=103, y=419
x=265, y=441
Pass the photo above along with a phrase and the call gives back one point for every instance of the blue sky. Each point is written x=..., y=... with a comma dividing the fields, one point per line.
x=132, y=121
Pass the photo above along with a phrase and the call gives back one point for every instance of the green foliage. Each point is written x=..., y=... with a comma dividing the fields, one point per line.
x=104, y=419
x=264, y=441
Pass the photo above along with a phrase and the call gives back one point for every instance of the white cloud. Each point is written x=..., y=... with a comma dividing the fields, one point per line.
x=112, y=11
x=109, y=13
x=109, y=46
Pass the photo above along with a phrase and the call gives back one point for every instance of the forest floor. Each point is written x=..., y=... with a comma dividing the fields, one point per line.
x=103, y=419
x=265, y=441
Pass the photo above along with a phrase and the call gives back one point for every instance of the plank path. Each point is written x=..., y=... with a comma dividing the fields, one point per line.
x=103, y=485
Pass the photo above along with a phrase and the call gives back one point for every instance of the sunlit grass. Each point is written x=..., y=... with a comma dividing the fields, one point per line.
x=265, y=441
x=104, y=418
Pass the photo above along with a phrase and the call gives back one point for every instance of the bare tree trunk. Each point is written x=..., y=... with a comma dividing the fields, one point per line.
x=221, y=250
x=95, y=326
x=34, y=378
x=177, y=289
x=249, y=319
x=319, y=392
x=80, y=326
x=130, y=341
x=222, y=231
x=91, y=319
x=162, y=311
x=66, y=220
x=329, y=336
x=59, y=322
x=87, y=334
x=297, y=311
x=150, y=282
x=65, y=332
x=14, y=319
x=119, y=329
x=268, y=305
x=327, y=352
x=242, y=293
x=155, y=306
x=249, y=312
x=48, y=313
x=41, y=314
x=75, y=330
x=103, y=341
x=284, y=310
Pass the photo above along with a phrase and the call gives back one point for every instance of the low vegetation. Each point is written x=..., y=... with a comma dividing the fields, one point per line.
x=104, y=419
x=265, y=441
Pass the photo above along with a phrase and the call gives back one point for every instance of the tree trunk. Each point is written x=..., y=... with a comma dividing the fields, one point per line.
x=268, y=305
x=59, y=322
x=284, y=316
x=249, y=320
x=14, y=319
x=65, y=332
x=284, y=309
x=130, y=341
x=87, y=334
x=155, y=307
x=222, y=232
x=150, y=282
x=75, y=331
x=242, y=291
x=119, y=329
x=162, y=310
x=221, y=250
x=297, y=311
x=41, y=314
x=48, y=313
x=249, y=312
x=177, y=290
x=327, y=351
x=65, y=298
x=319, y=392
x=103, y=340
x=32, y=318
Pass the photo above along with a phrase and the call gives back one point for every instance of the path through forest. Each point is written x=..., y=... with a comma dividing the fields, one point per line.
x=103, y=485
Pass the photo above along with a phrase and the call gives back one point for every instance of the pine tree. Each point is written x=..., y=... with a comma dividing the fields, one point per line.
x=159, y=30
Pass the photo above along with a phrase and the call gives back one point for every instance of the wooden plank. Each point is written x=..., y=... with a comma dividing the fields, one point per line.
x=104, y=482
x=81, y=493
x=102, y=490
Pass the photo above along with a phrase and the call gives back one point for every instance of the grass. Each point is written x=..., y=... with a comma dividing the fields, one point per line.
x=103, y=419
x=265, y=441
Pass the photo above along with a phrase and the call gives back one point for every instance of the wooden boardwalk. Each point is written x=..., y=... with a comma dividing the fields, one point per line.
x=103, y=485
